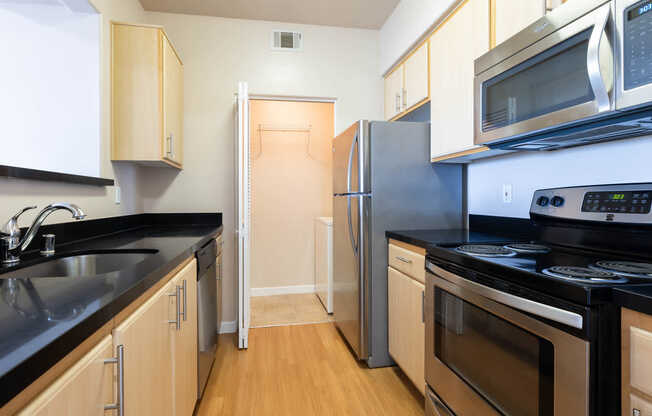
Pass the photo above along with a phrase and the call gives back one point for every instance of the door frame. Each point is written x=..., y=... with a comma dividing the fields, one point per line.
x=243, y=260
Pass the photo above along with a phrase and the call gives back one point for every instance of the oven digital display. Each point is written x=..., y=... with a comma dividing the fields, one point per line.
x=639, y=10
x=631, y=202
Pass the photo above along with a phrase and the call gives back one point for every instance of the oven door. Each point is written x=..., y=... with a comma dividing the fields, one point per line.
x=486, y=357
x=564, y=77
x=633, y=24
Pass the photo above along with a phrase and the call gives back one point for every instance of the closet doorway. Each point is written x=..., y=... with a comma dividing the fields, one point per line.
x=291, y=185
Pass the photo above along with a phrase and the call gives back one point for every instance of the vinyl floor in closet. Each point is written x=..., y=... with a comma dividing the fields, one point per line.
x=302, y=370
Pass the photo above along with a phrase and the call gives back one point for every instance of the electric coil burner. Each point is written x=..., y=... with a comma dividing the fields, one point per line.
x=583, y=274
x=528, y=248
x=486, y=250
x=625, y=268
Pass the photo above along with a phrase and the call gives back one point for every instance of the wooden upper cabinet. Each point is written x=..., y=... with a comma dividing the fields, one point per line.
x=417, y=82
x=453, y=49
x=147, y=97
x=84, y=389
x=394, y=93
x=512, y=16
x=408, y=85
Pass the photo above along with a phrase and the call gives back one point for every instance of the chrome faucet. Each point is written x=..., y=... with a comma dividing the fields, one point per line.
x=11, y=244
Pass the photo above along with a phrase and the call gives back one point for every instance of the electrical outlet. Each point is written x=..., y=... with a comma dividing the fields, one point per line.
x=117, y=195
x=507, y=193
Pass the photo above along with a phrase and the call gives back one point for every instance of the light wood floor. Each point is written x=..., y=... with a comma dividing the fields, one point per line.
x=287, y=310
x=302, y=370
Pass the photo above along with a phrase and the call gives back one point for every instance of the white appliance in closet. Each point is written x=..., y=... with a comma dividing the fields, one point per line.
x=324, y=261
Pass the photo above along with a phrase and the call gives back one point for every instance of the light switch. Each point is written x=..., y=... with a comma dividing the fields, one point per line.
x=117, y=195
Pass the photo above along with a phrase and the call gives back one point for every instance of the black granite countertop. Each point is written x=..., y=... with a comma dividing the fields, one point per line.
x=482, y=229
x=430, y=238
x=43, y=319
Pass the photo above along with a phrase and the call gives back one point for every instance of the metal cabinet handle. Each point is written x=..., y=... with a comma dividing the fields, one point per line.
x=403, y=259
x=185, y=299
x=172, y=145
x=177, y=294
x=404, y=99
x=119, y=404
x=169, y=149
x=423, y=306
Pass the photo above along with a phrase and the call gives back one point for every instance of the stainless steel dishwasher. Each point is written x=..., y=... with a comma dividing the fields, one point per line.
x=207, y=296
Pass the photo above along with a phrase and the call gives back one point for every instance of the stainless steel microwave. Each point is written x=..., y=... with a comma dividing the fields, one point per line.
x=582, y=74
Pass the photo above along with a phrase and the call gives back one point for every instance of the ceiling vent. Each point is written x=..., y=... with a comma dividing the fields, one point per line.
x=286, y=41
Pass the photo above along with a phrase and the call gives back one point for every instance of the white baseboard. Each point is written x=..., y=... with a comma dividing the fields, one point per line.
x=228, y=327
x=282, y=290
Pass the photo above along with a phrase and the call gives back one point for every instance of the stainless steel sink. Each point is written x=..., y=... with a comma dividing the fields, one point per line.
x=90, y=264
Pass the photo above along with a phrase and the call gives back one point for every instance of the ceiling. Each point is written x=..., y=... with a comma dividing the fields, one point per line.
x=367, y=14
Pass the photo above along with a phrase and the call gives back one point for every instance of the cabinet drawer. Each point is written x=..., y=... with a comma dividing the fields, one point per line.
x=640, y=363
x=408, y=262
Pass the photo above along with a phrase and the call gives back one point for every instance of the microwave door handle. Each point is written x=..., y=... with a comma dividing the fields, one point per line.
x=593, y=61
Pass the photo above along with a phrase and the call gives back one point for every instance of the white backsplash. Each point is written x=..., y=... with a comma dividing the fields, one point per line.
x=623, y=161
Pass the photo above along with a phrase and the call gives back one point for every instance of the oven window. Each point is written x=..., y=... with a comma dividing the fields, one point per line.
x=511, y=368
x=553, y=80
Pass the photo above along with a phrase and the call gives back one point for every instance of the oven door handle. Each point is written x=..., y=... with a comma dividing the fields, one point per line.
x=551, y=313
x=593, y=61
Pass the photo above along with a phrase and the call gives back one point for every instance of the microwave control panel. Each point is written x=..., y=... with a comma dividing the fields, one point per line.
x=638, y=45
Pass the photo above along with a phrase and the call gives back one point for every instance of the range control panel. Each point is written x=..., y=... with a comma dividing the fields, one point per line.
x=621, y=203
x=628, y=202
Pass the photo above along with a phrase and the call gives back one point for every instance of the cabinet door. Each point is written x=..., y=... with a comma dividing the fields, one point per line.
x=512, y=16
x=416, y=78
x=135, y=89
x=453, y=50
x=147, y=339
x=393, y=93
x=184, y=352
x=172, y=103
x=82, y=390
x=406, y=326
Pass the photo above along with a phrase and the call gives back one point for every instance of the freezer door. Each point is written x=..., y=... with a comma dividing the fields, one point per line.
x=349, y=283
x=349, y=160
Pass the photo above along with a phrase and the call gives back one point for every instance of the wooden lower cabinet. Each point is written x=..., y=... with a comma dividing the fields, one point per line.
x=147, y=338
x=82, y=390
x=406, y=325
x=636, y=344
x=160, y=361
x=184, y=349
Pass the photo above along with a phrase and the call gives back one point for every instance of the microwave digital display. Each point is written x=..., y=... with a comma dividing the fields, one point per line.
x=639, y=10
x=637, y=51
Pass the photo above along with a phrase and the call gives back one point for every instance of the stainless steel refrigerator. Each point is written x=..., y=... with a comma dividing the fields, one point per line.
x=382, y=180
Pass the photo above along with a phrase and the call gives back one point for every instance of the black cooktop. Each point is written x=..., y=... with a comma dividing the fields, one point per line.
x=578, y=275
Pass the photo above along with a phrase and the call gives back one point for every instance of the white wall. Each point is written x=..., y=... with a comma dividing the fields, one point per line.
x=217, y=53
x=606, y=163
x=97, y=202
x=409, y=21
x=50, y=101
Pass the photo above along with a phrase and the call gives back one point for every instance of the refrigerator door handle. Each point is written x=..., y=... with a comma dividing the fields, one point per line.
x=351, y=235
x=348, y=168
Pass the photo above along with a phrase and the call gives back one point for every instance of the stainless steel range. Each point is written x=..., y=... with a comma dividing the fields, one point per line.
x=527, y=327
